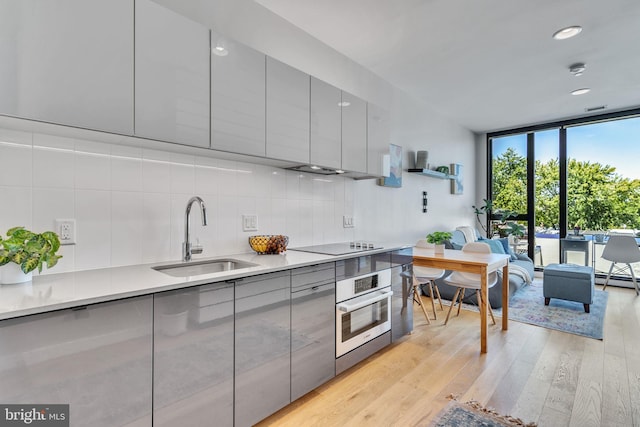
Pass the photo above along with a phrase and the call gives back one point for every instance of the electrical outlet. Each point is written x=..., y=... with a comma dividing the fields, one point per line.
x=66, y=229
x=249, y=222
x=347, y=222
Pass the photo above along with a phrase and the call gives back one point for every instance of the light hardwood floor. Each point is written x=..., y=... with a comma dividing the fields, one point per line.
x=549, y=377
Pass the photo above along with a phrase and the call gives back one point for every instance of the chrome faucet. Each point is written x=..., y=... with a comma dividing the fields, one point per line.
x=187, y=248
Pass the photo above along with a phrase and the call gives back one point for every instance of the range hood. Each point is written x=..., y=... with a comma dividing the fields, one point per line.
x=318, y=170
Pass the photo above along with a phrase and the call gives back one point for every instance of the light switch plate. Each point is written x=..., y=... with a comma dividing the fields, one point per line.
x=249, y=222
x=347, y=221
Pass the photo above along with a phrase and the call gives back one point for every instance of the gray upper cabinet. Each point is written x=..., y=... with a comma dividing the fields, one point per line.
x=68, y=62
x=96, y=358
x=171, y=76
x=378, y=138
x=193, y=356
x=354, y=133
x=262, y=346
x=237, y=97
x=287, y=112
x=325, y=124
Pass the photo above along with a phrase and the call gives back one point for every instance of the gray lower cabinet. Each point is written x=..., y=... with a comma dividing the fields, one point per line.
x=193, y=356
x=401, y=302
x=313, y=299
x=96, y=358
x=262, y=346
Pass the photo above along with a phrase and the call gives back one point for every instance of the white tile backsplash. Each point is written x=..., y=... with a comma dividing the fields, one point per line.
x=15, y=158
x=129, y=202
x=53, y=161
x=93, y=229
x=126, y=228
x=92, y=166
x=15, y=208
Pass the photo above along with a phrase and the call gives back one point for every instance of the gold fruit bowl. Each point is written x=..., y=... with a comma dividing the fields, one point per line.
x=269, y=244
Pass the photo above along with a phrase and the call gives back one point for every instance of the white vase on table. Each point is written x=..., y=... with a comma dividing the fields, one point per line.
x=439, y=249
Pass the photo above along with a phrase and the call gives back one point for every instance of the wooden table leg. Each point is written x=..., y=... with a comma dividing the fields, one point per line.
x=483, y=309
x=505, y=297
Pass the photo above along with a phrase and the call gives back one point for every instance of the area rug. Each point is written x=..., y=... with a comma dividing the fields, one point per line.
x=472, y=414
x=527, y=306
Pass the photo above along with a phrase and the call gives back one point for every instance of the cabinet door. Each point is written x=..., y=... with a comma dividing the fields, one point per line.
x=354, y=133
x=171, y=76
x=262, y=347
x=313, y=337
x=287, y=112
x=237, y=97
x=325, y=145
x=193, y=357
x=97, y=359
x=378, y=138
x=68, y=62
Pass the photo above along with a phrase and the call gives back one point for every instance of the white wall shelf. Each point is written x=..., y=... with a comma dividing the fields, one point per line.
x=432, y=173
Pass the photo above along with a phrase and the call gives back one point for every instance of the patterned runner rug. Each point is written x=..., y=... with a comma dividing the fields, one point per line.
x=472, y=414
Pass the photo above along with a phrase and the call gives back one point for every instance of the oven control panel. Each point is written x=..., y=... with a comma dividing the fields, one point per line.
x=361, y=285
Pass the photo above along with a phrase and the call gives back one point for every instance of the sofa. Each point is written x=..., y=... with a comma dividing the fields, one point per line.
x=516, y=278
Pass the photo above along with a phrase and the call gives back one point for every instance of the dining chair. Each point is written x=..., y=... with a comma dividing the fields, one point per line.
x=464, y=281
x=621, y=250
x=426, y=279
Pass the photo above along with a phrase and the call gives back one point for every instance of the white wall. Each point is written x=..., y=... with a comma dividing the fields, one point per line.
x=129, y=200
x=395, y=214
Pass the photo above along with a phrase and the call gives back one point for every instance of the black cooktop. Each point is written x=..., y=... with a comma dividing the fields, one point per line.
x=338, y=248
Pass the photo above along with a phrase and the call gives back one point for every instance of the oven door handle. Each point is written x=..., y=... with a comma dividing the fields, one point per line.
x=356, y=303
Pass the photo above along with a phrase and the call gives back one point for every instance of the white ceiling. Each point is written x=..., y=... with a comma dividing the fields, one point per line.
x=486, y=64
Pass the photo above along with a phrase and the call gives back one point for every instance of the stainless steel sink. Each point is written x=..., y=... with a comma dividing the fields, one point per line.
x=195, y=268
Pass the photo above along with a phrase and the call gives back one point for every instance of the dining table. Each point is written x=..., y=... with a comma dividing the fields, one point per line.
x=478, y=263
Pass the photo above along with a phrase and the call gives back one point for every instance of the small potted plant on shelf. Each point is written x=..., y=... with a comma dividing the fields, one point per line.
x=22, y=251
x=437, y=238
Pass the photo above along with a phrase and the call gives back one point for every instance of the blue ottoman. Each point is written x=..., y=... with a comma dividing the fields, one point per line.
x=570, y=282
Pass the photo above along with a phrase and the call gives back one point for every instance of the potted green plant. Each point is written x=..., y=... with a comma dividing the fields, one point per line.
x=22, y=251
x=516, y=230
x=438, y=238
x=483, y=210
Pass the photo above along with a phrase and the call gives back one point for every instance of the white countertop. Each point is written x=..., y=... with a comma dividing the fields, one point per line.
x=66, y=290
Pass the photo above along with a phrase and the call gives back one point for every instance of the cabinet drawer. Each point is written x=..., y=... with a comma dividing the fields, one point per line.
x=315, y=275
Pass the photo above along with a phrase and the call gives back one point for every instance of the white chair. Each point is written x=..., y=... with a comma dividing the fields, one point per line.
x=427, y=276
x=623, y=250
x=470, y=281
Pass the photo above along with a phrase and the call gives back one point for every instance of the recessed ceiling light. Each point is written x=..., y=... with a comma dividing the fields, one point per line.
x=339, y=171
x=344, y=104
x=567, y=32
x=581, y=91
x=315, y=168
x=220, y=50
